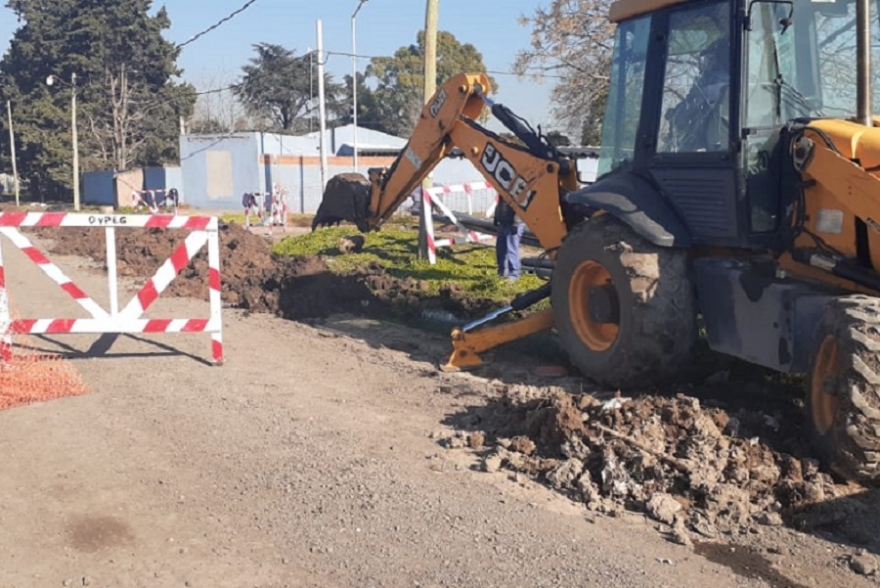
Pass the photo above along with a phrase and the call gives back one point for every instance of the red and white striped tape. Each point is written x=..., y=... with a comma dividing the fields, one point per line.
x=130, y=320
x=70, y=219
x=428, y=204
x=468, y=187
x=472, y=236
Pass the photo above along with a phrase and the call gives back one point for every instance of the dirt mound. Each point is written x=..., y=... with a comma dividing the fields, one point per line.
x=255, y=279
x=700, y=471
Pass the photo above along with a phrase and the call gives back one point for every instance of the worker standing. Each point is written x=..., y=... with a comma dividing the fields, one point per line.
x=510, y=230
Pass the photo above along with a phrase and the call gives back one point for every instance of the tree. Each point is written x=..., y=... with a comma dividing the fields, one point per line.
x=128, y=102
x=208, y=126
x=368, y=107
x=279, y=89
x=397, y=99
x=217, y=110
x=572, y=39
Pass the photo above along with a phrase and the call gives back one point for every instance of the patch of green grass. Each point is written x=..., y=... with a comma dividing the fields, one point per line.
x=472, y=267
x=293, y=220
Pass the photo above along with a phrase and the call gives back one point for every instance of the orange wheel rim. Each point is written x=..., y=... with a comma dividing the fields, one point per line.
x=598, y=336
x=826, y=369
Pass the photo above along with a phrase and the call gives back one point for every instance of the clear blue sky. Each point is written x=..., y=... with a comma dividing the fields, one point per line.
x=382, y=27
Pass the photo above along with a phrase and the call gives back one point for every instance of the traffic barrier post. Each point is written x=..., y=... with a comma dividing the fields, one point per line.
x=203, y=230
x=431, y=199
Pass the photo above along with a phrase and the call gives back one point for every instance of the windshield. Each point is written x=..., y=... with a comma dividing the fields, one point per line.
x=808, y=69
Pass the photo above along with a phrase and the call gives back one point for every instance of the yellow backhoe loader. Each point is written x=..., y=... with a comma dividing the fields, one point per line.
x=738, y=185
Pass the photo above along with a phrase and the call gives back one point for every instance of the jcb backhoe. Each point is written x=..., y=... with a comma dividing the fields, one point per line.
x=738, y=186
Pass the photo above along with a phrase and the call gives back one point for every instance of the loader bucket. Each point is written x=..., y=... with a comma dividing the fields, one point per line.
x=346, y=198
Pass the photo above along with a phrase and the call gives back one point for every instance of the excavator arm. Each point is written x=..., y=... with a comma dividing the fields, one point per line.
x=530, y=177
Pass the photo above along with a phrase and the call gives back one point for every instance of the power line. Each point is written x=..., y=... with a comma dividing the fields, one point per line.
x=218, y=90
x=217, y=24
x=148, y=104
x=543, y=75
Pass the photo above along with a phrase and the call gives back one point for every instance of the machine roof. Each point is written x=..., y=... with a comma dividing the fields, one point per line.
x=623, y=9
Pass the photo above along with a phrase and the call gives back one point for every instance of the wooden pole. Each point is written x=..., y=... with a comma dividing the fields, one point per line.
x=76, y=204
x=432, y=17
x=321, y=107
x=12, y=148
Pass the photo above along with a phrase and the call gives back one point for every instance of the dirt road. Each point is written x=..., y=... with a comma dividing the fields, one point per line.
x=308, y=460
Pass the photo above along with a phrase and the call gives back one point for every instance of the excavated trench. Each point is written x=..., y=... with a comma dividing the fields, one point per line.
x=255, y=279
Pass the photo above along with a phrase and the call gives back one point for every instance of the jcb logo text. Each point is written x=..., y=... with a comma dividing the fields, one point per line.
x=506, y=176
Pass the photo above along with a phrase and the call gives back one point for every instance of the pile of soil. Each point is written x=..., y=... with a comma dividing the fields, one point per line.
x=255, y=279
x=702, y=472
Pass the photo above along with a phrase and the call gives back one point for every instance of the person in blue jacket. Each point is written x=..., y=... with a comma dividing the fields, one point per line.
x=510, y=231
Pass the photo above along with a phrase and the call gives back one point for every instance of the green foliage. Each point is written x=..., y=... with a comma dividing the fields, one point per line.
x=574, y=39
x=393, y=106
x=279, y=89
x=472, y=267
x=128, y=105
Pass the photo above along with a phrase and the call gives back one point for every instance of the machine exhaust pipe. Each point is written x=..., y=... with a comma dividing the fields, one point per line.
x=863, y=62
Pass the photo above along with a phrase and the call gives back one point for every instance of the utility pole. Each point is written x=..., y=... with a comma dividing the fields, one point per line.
x=354, y=86
x=311, y=85
x=12, y=148
x=75, y=143
x=50, y=80
x=432, y=14
x=321, y=112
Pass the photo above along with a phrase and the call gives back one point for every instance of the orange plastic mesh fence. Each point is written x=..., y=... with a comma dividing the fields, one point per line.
x=29, y=374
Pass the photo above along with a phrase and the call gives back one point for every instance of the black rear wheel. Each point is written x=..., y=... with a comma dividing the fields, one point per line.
x=624, y=308
x=843, y=389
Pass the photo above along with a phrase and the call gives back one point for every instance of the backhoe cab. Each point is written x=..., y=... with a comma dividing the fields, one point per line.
x=738, y=176
x=738, y=182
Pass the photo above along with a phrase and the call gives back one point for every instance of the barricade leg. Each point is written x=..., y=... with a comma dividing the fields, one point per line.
x=214, y=296
x=5, y=315
x=428, y=217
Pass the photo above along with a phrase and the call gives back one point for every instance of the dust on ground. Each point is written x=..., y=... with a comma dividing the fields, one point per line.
x=704, y=473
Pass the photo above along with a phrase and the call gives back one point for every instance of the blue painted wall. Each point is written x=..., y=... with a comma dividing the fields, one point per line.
x=294, y=164
x=241, y=174
x=98, y=188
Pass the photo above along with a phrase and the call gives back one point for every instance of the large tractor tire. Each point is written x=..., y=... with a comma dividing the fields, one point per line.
x=843, y=389
x=624, y=308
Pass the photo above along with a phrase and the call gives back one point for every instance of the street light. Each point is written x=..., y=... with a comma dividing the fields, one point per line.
x=354, y=91
x=50, y=80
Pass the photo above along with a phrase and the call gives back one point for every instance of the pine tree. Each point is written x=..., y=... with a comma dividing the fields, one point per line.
x=128, y=98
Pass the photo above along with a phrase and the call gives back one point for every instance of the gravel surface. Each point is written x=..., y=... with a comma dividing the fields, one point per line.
x=315, y=458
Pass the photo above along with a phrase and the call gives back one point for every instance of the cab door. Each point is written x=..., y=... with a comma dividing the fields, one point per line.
x=691, y=147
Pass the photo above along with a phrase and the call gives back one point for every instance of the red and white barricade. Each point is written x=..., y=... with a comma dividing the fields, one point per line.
x=152, y=200
x=432, y=198
x=280, y=208
x=130, y=319
x=467, y=189
x=253, y=203
x=271, y=208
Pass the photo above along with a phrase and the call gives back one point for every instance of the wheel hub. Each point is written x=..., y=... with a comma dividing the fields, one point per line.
x=824, y=402
x=594, y=306
x=603, y=304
